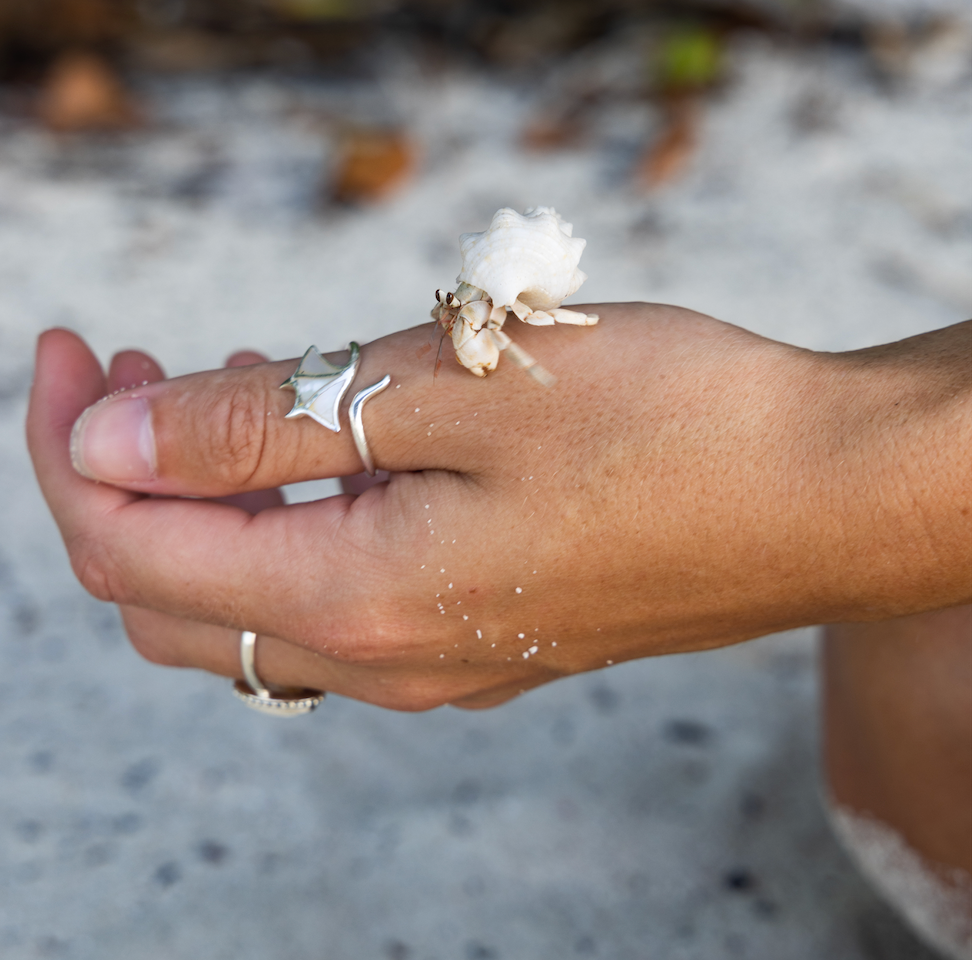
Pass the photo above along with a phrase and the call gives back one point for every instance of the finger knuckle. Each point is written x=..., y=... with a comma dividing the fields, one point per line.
x=154, y=637
x=151, y=647
x=416, y=696
x=240, y=442
x=95, y=569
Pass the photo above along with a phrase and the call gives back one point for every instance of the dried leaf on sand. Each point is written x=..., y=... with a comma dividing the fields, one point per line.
x=667, y=157
x=82, y=92
x=373, y=165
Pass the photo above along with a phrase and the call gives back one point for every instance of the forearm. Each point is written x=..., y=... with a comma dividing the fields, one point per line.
x=893, y=434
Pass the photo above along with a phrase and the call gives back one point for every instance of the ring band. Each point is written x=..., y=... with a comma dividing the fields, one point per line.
x=357, y=425
x=288, y=702
x=248, y=661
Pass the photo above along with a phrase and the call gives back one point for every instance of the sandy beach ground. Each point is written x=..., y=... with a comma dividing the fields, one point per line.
x=665, y=809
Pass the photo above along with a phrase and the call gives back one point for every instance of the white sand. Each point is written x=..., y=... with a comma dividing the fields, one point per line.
x=660, y=809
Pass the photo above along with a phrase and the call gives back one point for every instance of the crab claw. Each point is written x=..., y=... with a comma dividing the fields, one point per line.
x=475, y=313
x=475, y=349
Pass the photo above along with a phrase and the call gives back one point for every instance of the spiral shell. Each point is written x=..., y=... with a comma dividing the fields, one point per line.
x=531, y=258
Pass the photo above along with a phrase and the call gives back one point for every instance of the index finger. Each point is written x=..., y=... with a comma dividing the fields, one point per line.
x=227, y=431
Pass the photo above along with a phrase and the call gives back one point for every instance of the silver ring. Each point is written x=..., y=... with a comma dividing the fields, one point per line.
x=320, y=386
x=288, y=702
x=357, y=426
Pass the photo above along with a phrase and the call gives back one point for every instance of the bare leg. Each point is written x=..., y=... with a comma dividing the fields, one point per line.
x=898, y=756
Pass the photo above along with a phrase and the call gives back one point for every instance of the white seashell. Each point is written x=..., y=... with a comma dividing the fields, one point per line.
x=530, y=257
x=522, y=264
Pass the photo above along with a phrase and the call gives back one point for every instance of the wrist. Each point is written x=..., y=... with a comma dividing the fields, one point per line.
x=886, y=470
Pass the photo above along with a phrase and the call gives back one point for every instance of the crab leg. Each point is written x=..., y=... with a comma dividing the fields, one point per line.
x=522, y=359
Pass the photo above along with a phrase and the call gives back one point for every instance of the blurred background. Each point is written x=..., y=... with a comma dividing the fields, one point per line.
x=197, y=176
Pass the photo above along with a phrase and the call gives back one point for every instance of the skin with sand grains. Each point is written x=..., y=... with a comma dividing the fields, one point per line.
x=685, y=484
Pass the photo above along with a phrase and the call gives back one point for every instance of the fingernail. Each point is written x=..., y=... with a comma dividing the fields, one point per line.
x=113, y=441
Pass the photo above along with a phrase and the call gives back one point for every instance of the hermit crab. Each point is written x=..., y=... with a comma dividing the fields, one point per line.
x=524, y=264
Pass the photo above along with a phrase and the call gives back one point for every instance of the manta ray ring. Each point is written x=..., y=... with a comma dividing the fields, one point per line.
x=357, y=425
x=288, y=702
x=319, y=388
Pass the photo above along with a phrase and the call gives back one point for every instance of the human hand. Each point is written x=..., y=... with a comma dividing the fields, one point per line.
x=663, y=496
